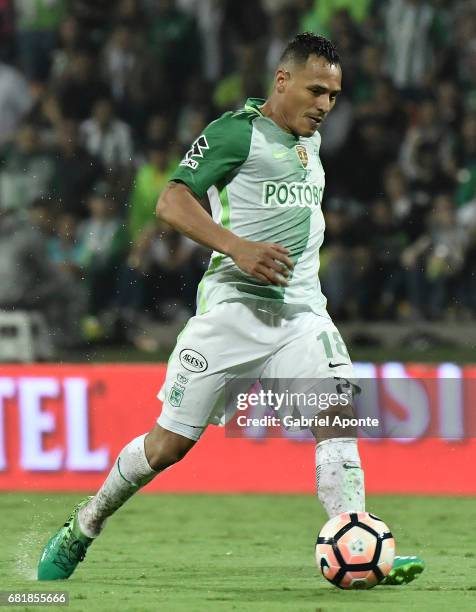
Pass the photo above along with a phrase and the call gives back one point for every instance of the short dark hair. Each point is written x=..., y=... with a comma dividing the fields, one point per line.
x=303, y=45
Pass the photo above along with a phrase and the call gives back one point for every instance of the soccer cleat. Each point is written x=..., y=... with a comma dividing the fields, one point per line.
x=65, y=549
x=404, y=570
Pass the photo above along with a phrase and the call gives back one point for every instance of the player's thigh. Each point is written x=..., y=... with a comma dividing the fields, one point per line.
x=312, y=348
x=194, y=383
x=313, y=368
x=212, y=349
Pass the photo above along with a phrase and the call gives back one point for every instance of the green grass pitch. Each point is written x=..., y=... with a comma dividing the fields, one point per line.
x=196, y=553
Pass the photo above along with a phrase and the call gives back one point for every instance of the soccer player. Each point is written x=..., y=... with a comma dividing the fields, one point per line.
x=261, y=313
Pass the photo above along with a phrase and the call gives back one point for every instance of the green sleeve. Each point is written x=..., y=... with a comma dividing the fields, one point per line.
x=223, y=146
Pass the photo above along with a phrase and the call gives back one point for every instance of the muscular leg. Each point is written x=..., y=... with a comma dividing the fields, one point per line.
x=137, y=464
x=163, y=448
x=339, y=476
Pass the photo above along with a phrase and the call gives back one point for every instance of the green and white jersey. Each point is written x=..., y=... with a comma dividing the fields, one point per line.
x=264, y=184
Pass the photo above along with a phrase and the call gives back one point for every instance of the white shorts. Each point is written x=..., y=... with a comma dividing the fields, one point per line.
x=244, y=340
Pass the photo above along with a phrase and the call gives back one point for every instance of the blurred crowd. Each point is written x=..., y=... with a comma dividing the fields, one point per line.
x=99, y=100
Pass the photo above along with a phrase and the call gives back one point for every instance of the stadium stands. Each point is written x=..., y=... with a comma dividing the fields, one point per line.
x=98, y=101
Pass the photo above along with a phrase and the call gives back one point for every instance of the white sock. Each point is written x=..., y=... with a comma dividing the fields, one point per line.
x=339, y=476
x=130, y=472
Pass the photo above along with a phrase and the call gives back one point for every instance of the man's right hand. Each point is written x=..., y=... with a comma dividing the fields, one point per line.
x=265, y=261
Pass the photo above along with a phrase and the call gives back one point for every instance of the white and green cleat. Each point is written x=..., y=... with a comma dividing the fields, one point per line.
x=65, y=549
x=404, y=570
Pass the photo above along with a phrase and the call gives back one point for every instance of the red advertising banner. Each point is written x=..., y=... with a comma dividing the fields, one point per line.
x=62, y=426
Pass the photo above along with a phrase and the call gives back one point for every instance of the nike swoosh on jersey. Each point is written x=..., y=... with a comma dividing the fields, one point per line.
x=280, y=154
x=336, y=365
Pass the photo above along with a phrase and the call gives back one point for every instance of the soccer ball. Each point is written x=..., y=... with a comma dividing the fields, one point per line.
x=355, y=550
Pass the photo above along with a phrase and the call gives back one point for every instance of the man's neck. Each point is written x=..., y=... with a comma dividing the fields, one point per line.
x=271, y=110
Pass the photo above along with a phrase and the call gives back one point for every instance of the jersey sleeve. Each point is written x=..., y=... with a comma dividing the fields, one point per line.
x=223, y=146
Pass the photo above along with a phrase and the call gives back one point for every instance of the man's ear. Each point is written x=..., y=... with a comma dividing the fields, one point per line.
x=281, y=79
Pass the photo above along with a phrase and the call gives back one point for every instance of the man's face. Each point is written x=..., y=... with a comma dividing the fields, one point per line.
x=307, y=93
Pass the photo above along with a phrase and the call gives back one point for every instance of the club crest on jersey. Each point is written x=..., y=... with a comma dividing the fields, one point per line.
x=176, y=395
x=302, y=155
x=196, y=150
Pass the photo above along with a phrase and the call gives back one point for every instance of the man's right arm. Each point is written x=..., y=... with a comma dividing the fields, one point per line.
x=266, y=261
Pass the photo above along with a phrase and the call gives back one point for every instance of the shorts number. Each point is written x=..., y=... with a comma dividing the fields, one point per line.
x=337, y=341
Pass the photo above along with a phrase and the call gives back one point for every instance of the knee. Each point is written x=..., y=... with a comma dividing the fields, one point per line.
x=164, y=448
x=333, y=427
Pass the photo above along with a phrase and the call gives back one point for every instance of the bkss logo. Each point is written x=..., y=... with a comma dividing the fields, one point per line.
x=193, y=361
